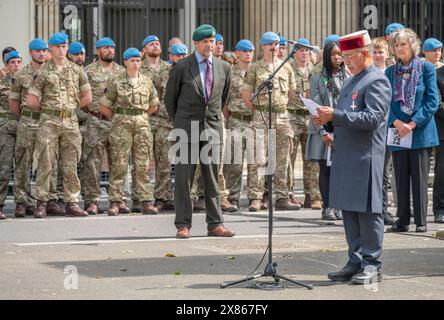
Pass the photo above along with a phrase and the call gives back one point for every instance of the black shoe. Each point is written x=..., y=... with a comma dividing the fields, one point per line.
x=368, y=277
x=439, y=218
x=338, y=214
x=389, y=220
x=397, y=229
x=328, y=215
x=421, y=229
x=344, y=275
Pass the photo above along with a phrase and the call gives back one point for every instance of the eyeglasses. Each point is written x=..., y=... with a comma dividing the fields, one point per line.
x=349, y=56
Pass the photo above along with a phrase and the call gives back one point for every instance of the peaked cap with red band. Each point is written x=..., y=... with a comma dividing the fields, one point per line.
x=357, y=40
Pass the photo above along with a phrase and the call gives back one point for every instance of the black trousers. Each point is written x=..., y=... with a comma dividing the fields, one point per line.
x=324, y=182
x=438, y=184
x=184, y=181
x=414, y=166
x=386, y=180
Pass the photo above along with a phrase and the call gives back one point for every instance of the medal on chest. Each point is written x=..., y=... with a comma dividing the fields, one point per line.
x=406, y=76
x=354, y=97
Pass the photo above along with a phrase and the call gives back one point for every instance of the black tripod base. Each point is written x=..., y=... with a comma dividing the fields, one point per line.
x=270, y=271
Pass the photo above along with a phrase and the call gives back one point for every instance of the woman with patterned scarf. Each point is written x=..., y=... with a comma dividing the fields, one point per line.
x=415, y=101
x=325, y=90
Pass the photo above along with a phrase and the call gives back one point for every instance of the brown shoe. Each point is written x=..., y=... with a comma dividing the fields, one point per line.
x=20, y=210
x=92, y=209
x=227, y=206
x=137, y=207
x=30, y=210
x=123, y=209
x=2, y=215
x=307, y=201
x=113, y=210
x=54, y=209
x=295, y=200
x=40, y=212
x=316, y=205
x=162, y=205
x=148, y=208
x=183, y=233
x=220, y=231
x=73, y=210
x=264, y=205
x=199, y=206
x=235, y=203
x=286, y=205
x=255, y=206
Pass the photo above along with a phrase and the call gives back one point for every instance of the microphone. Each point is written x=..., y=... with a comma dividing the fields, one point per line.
x=300, y=45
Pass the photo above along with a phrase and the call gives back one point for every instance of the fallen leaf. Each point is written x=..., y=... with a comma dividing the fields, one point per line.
x=177, y=273
x=231, y=258
x=170, y=255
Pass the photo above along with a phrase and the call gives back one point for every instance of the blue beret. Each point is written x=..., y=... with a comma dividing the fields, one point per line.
x=219, y=38
x=131, y=53
x=269, y=38
x=13, y=55
x=283, y=41
x=245, y=45
x=38, y=44
x=431, y=44
x=332, y=38
x=149, y=39
x=76, y=48
x=393, y=27
x=203, y=32
x=179, y=49
x=303, y=41
x=105, y=42
x=58, y=38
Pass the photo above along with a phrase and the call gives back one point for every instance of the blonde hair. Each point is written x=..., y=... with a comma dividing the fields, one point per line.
x=409, y=36
x=380, y=43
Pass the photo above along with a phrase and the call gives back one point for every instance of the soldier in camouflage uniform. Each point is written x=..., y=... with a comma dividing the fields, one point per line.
x=27, y=128
x=161, y=125
x=284, y=86
x=8, y=127
x=299, y=120
x=238, y=124
x=5, y=71
x=59, y=88
x=129, y=100
x=96, y=140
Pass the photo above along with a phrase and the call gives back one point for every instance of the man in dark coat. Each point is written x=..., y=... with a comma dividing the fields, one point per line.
x=196, y=92
x=360, y=121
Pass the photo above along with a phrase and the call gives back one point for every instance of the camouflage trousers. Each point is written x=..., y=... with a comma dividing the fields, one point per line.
x=8, y=129
x=198, y=188
x=233, y=169
x=27, y=129
x=95, y=145
x=299, y=124
x=163, y=188
x=130, y=137
x=62, y=136
x=281, y=136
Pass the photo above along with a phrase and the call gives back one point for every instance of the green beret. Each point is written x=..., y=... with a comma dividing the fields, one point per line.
x=203, y=32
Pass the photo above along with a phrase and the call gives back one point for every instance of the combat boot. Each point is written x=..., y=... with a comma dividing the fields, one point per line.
x=40, y=212
x=200, y=205
x=30, y=210
x=264, y=204
x=92, y=209
x=286, y=205
x=295, y=200
x=20, y=210
x=73, y=210
x=148, y=208
x=123, y=209
x=227, y=206
x=55, y=209
x=307, y=201
x=137, y=207
x=2, y=215
x=162, y=205
x=113, y=210
x=255, y=206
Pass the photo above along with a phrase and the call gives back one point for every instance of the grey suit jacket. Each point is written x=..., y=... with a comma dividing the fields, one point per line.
x=185, y=99
x=360, y=143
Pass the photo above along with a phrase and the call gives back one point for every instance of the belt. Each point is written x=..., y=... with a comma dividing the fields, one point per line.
x=298, y=112
x=241, y=116
x=130, y=112
x=98, y=116
x=31, y=114
x=8, y=116
x=62, y=114
x=275, y=109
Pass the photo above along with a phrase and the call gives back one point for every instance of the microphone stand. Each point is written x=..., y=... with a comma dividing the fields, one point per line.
x=270, y=270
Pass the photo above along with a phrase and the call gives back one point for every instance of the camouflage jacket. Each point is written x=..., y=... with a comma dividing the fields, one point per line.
x=303, y=86
x=20, y=84
x=235, y=103
x=5, y=84
x=59, y=89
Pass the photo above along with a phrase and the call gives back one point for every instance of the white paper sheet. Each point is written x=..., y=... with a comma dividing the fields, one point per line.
x=311, y=106
x=394, y=140
x=329, y=159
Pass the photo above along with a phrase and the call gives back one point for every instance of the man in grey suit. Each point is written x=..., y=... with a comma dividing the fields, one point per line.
x=360, y=122
x=196, y=92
